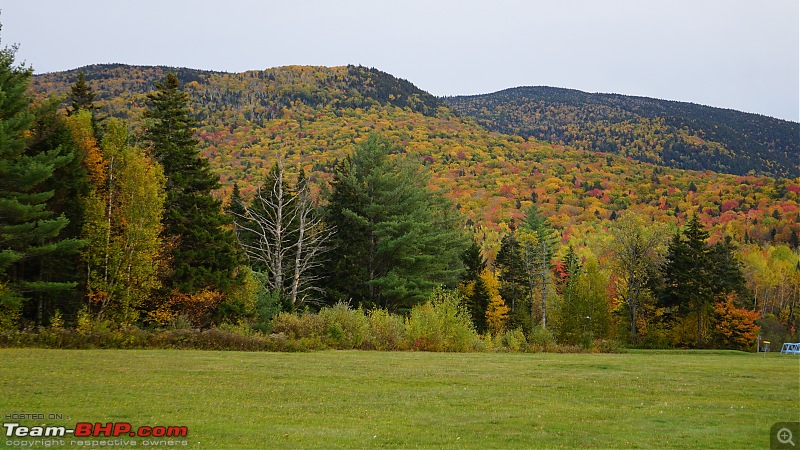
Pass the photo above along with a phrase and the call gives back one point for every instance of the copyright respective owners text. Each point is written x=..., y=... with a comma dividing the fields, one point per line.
x=54, y=430
x=784, y=435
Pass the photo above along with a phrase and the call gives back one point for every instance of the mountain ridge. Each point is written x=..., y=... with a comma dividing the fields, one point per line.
x=314, y=116
x=667, y=132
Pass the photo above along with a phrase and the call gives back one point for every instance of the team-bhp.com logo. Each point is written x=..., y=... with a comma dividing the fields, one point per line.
x=86, y=429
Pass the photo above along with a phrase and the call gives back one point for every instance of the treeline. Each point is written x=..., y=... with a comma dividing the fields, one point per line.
x=121, y=229
x=675, y=134
x=245, y=119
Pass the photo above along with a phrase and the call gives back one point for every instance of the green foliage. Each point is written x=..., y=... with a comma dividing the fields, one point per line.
x=122, y=225
x=513, y=280
x=514, y=341
x=31, y=235
x=81, y=96
x=397, y=240
x=346, y=328
x=473, y=287
x=638, y=248
x=697, y=274
x=314, y=116
x=203, y=250
x=387, y=331
x=541, y=339
x=442, y=324
x=583, y=313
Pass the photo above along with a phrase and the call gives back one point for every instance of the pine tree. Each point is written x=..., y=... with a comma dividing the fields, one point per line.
x=396, y=240
x=688, y=274
x=69, y=183
x=538, y=243
x=30, y=234
x=204, y=253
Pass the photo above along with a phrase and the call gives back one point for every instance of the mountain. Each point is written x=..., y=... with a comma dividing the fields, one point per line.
x=312, y=116
x=674, y=134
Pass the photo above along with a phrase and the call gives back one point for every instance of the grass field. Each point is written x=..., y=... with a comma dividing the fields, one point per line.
x=399, y=400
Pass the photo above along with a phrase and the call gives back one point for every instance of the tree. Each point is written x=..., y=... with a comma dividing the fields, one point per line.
x=513, y=278
x=397, y=240
x=473, y=286
x=123, y=226
x=696, y=274
x=81, y=96
x=638, y=253
x=496, y=310
x=538, y=242
x=584, y=311
x=69, y=184
x=735, y=327
x=204, y=254
x=282, y=233
x=30, y=235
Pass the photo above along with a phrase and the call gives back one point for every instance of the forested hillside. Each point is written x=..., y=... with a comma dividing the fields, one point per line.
x=675, y=134
x=313, y=115
x=527, y=203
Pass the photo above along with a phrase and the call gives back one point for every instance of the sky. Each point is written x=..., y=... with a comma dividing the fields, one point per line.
x=738, y=54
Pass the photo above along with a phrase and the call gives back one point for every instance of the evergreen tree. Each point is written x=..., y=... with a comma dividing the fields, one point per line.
x=513, y=279
x=204, y=254
x=538, y=243
x=696, y=274
x=81, y=96
x=51, y=132
x=726, y=270
x=396, y=240
x=476, y=292
x=30, y=234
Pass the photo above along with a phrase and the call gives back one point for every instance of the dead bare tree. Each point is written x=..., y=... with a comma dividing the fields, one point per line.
x=289, y=237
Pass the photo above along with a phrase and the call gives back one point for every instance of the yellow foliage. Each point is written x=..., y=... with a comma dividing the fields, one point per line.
x=497, y=311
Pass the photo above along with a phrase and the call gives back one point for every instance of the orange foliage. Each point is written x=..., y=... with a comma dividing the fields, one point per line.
x=735, y=327
x=195, y=307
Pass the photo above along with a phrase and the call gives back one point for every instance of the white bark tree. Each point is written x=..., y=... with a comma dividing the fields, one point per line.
x=286, y=236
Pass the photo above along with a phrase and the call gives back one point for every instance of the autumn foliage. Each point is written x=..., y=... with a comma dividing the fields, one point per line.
x=734, y=327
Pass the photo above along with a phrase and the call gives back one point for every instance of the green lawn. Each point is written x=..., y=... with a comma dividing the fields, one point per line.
x=361, y=399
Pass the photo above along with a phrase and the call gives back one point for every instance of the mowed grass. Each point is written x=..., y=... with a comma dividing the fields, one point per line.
x=359, y=399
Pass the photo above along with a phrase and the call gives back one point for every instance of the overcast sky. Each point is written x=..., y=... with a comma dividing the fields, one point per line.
x=740, y=54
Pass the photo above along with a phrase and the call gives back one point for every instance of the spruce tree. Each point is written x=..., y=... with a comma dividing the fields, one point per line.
x=81, y=96
x=513, y=279
x=204, y=254
x=477, y=294
x=697, y=273
x=30, y=233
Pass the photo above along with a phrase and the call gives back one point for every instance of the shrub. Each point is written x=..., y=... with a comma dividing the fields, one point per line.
x=297, y=326
x=514, y=341
x=442, y=324
x=541, y=340
x=387, y=331
x=345, y=328
x=608, y=346
x=267, y=305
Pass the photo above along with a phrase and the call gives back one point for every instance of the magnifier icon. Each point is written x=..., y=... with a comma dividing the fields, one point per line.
x=785, y=436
